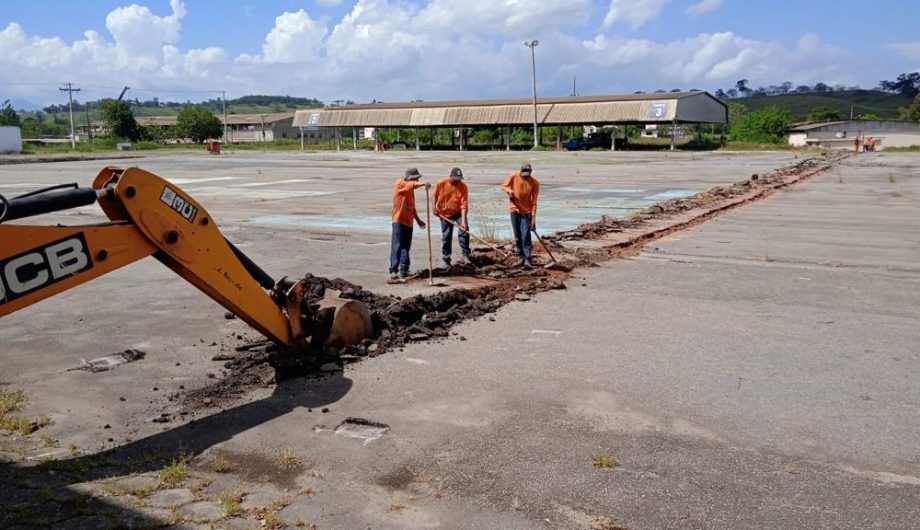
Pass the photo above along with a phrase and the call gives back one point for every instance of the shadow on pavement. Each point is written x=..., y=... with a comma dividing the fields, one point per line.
x=43, y=495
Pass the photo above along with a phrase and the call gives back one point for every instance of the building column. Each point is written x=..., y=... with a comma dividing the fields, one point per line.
x=338, y=139
x=354, y=138
x=673, y=135
x=301, y=139
x=418, y=145
x=613, y=139
x=508, y=138
x=559, y=138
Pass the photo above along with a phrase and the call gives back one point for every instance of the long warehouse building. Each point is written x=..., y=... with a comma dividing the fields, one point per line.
x=670, y=108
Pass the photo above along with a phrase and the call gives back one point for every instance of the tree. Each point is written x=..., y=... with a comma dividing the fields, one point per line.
x=868, y=116
x=803, y=89
x=119, y=120
x=198, y=124
x=720, y=94
x=823, y=114
x=741, y=85
x=732, y=93
x=786, y=87
x=8, y=116
x=767, y=125
x=821, y=87
x=912, y=113
x=906, y=84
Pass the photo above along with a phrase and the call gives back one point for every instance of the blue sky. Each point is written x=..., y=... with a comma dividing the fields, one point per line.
x=437, y=49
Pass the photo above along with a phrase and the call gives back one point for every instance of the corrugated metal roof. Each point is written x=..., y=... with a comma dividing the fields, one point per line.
x=631, y=108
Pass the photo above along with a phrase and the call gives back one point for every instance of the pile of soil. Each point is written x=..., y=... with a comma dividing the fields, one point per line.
x=397, y=321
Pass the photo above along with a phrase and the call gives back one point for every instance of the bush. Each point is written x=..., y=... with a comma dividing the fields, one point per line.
x=119, y=119
x=198, y=124
x=767, y=125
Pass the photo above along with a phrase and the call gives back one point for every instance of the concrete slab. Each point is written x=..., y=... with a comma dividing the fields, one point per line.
x=751, y=372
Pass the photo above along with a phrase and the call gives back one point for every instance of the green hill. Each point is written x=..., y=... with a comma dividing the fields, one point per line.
x=883, y=104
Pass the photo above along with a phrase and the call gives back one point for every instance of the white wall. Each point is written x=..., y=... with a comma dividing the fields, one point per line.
x=897, y=140
x=797, y=139
x=10, y=140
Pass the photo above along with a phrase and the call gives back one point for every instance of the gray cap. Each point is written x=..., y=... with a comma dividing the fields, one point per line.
x=525, y=170
x=456, y=172
x=413, y=174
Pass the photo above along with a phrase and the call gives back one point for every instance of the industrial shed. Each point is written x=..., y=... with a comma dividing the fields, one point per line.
x=671, y=108
x=842, y=134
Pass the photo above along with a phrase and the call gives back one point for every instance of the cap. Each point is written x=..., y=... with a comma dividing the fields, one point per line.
x=456, y=172
x=413, y=174
x=525, y=170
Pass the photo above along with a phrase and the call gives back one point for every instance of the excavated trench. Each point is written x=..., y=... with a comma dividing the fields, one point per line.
x=398, y=321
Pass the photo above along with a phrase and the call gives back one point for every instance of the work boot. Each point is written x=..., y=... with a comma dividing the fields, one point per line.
x=447, y=262
x=528, y=263
x=403, y=275
x=464, y=259
x=521, y=262
x=394, y=275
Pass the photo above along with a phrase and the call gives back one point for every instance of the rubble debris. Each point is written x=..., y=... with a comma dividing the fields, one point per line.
x=104, y=364
x=398, y=321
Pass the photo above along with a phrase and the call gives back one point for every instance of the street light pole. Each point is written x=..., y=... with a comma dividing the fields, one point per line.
x=533, y=68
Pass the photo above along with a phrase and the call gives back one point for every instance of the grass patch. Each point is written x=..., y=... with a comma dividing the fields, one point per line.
x=10, y=423
x=173, y=474
x=289, y=460
x=272, y=521
x=907, y=149
x=232, y=502
x=221, y=465
x=603, y=460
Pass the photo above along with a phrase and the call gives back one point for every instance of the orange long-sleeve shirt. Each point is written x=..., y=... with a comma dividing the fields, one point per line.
x=451, y=197
x=525, y=193
x=404, y=202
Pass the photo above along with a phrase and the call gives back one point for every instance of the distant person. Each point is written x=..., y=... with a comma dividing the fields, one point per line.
x=522, y=190
x=404, y=213
x=871, y=142
x=451, y=203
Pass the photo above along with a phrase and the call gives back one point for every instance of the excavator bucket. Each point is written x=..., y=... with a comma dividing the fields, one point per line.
x=345, y=322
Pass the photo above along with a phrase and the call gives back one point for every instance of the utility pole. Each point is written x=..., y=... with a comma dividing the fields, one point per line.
x=533, y=68
x=223, y=104
x=70, y=90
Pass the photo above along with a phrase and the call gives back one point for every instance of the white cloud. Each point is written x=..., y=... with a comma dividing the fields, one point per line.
x=140, y=35
x=396, y=50
x=704, y=6
x=519, y=18
x=295, y=37
x=633, y=13
x=908, y=50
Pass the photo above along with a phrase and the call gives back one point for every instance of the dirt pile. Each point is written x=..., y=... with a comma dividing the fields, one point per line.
x=398, y=321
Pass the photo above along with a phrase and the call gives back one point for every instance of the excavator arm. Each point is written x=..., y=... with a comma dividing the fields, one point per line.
x=150, y=216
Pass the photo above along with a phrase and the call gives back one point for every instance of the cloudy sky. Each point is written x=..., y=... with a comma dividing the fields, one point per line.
x=398, y=50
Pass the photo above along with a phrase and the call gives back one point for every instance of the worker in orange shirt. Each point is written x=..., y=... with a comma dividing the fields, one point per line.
x=451, y=203
x=522, y=190
x=404, y=213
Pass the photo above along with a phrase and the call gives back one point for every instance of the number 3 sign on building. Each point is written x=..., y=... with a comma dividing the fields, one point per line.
x=658, y=111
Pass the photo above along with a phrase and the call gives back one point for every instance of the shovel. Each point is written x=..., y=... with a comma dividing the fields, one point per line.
x=477, y=238
x=552, y=261
x=430, y=252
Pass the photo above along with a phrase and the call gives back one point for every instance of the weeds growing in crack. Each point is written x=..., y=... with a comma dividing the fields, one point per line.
x=603, y=460
x=289, y=460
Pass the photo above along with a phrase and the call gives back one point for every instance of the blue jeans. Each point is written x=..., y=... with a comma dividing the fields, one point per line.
x=399, y=248
x=447, y=236
x=520, y=224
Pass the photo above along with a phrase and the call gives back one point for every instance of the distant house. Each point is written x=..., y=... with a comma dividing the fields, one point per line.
x=842, y=134
x=267, y=127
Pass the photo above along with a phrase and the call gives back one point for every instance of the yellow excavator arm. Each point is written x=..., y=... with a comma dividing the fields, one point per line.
x=150, y=216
